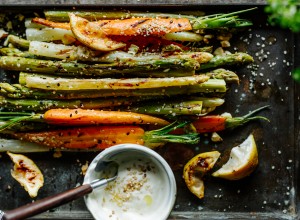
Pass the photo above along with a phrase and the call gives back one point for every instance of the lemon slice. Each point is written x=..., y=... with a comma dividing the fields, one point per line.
x=27, y=173
x=242, y=162
x=196, y=168
x=91, y=35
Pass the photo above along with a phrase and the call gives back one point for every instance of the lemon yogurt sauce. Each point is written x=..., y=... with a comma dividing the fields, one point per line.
x=135, y=194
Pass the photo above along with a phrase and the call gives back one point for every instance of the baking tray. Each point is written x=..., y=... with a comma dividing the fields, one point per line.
x=271, y=192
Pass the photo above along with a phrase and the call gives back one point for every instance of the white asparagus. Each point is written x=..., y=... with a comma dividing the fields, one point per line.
x=61, y=51
x=47, y=34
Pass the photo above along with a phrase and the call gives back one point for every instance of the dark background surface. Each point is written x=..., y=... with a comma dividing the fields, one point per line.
x=270, y=192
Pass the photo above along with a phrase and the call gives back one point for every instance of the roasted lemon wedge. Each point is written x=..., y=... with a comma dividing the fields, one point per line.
x=242, y=162
x=91, y=35
x=196, y=168
x=27, y=173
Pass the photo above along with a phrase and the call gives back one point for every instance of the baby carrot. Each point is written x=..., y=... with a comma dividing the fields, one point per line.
x=88, y=117
x=75, y=117
x=214, y=123
x=130, y=26
x=101, y=137
x=98, y=137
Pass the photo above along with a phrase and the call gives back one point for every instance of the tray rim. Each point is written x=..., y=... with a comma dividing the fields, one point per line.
x=73, y=3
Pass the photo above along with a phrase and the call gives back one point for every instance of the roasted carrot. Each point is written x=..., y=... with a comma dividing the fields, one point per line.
x=130, y=26
x=101, y=137
x=88, y=117
x=145, y=26
x=75, y=117
x=213, y=123
x=98, y=137
x=210, y=123
x=52, y=24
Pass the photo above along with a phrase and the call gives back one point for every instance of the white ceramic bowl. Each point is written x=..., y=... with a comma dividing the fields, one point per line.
x=145, y=188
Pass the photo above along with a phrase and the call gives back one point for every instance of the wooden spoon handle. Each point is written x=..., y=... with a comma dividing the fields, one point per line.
x=47, y=203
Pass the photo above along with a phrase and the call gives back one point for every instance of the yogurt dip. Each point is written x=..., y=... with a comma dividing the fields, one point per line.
x=142, y=190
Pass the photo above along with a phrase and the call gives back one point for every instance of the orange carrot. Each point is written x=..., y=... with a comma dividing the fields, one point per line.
x=210, y=123
x=145, y=26
x=51, y=23
x=98, y=137
x=130, y=26
x=213, y=123
x=89, y=117
x=101, y=137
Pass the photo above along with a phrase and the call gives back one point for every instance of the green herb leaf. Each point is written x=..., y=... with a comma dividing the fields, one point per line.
x=284, y=13
x=296, y=74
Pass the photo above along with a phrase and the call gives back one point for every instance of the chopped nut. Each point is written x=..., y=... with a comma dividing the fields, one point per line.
x=215, y=137
x=226, y=115
x=57, y=154
x=225, y=43
x=84, y=168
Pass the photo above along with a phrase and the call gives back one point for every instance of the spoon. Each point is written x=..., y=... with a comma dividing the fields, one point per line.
x=108, y=168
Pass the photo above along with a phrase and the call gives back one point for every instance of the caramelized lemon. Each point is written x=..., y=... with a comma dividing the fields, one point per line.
x=27, y=173
x=242, y=162
x=91, y=35
x=196, y=168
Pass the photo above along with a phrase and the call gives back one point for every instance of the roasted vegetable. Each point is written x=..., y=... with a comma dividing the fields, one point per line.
x=101, y=137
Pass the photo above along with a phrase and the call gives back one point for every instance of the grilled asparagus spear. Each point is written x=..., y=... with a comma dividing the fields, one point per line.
x=214, y=86
x=228, y=60
x=144, y=104
x=160, y=66
x=152, y=67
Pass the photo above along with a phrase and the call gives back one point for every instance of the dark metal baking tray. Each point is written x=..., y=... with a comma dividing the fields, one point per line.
x=271, y=192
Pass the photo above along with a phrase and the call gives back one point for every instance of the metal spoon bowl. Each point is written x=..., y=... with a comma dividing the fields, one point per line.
x=109, y=168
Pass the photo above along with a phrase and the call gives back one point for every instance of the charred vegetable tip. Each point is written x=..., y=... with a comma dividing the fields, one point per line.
x=161, y=135
x=237, y=121
x=221, y=20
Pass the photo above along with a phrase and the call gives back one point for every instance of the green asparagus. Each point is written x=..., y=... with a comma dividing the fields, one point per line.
x=163, y=67
x=153, y=67
x=63, y=16
x=190, y=106
x=214, y=86
x=167, y=108
x=227, y=75
x=46, y=104
x=16, y=41
x=228, y=60
x=14, y=52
